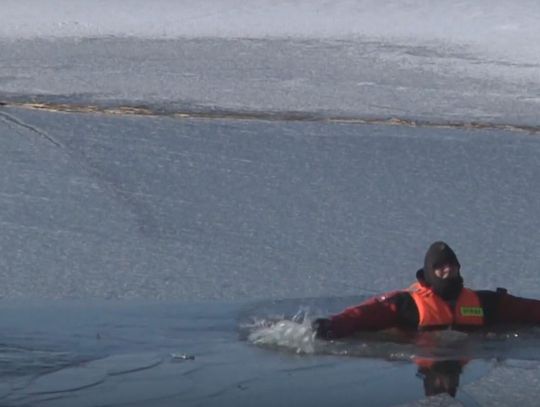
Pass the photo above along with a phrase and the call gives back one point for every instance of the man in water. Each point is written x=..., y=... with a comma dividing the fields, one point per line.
x=438, y=300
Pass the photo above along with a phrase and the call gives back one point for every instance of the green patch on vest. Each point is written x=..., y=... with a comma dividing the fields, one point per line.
x=472, y=311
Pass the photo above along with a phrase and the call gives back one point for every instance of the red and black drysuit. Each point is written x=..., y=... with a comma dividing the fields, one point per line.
x=421, y=308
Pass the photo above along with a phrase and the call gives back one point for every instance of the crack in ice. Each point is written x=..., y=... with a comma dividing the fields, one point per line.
x=14, y=120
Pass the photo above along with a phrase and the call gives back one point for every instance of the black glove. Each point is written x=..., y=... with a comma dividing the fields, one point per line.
x=322, y=328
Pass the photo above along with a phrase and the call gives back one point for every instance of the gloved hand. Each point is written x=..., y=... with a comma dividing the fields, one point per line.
x=322, y=328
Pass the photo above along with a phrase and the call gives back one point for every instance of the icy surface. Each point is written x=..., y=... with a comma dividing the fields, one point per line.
x=95, y=207
x=521, y=385
x=492, y=24
x=449, y=61
x=110, y=207
x=362, y=78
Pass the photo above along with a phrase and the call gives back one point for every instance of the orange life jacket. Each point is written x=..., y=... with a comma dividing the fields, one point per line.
x=435, y=312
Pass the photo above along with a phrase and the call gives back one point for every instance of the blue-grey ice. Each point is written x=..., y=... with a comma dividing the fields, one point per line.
x=466, y=61
x=176, y=258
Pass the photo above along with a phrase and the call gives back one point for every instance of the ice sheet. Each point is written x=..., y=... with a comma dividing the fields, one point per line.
x=510, y=383
x=156, y=208
x=460, y=61
x=497, y=26
x=160, y=208
x=189, y=209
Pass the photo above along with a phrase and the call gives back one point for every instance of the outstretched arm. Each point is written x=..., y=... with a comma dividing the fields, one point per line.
x=503, y=308
x=519, y=310
x=376, y=313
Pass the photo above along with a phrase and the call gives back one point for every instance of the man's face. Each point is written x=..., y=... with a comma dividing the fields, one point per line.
x=446, y=271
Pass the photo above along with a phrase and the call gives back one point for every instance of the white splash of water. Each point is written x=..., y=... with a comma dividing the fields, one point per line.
x=292, y=334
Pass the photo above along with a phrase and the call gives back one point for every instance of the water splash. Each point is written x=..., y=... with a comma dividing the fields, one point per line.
x=294, y=334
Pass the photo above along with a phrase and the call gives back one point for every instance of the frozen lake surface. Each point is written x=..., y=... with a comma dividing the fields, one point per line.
x=96, y=206
x=445, y=62
x=343, y=78
x=259, y=215
x=286, y=159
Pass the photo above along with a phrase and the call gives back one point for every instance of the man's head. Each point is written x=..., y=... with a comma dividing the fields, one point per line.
x=441, y=271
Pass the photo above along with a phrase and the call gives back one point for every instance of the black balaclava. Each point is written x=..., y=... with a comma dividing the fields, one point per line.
x=439, y=254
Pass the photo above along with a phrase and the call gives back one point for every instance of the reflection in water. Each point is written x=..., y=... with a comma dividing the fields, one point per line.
x=443, y=358
x=440, y=376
